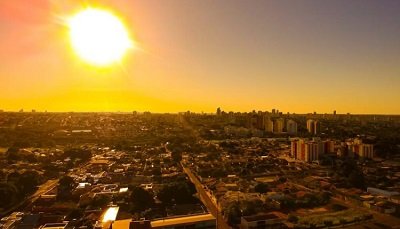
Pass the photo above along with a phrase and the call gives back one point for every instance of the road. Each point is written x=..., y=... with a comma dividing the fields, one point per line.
x=205, y=198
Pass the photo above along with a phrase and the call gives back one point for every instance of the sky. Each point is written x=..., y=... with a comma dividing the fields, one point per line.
x=294, y=55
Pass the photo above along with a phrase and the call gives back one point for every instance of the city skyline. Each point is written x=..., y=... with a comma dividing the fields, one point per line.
x=300, y=56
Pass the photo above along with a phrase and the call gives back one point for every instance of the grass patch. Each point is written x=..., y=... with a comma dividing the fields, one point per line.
x=340, y=217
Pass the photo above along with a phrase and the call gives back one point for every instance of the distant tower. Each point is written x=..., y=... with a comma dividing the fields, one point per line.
x=218, y=111
x=313, y=126
x=317, y=127
x=291, y=127
x=334, y=112
x=310, y=126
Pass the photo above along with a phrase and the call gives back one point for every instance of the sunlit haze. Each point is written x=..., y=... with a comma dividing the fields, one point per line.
x=170, y=56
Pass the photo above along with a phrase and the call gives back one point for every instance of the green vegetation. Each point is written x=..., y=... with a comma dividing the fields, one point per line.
x=18, y=186
x=353, y=174
x=292, y=218
x=327, y=219
x=178, y=192
x=65, y=186
x=141, y=199
x=261, y=188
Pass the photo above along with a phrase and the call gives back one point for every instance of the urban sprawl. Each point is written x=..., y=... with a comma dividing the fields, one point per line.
x=259, y=169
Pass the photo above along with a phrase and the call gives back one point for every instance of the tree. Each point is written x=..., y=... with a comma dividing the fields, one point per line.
x=13, y=155
x=176, y=156
x=50, y=171
x=292, y=218
x=100, y=201
x=184, y=192
x=324, y=197
x=251, y=207
x=356, y=179
x=8, y=194
x=28, y=182
x=166, y=195
x=178, y=192
x=288, y=203
x=13, y=177
x=233, y=213
x=261, y=188
x=156, y=171
x=141, y=199
x=328, y=223
x=65, y=186
x=76, y=213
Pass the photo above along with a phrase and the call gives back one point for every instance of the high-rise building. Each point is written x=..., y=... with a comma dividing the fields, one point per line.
x=310, y=126
x=252, y=121
x=366, y=151
x=298, y=149
x=312, y=151
x=313, y=126
x=357, y=148
x=268, y=124
x=317, y=127
x=329, y=146
x=291, y=127
x=260, y=122
x=305, y=150
x=293, y=147
x=351, y=149
x=278, y=125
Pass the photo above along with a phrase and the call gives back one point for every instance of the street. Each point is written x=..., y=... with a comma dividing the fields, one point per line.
x=221, y=223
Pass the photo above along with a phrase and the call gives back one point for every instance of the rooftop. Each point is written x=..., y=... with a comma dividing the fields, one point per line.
x=124, y=224
x=182, y=220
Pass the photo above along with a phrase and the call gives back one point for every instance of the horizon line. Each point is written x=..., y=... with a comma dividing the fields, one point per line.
x=196, y=112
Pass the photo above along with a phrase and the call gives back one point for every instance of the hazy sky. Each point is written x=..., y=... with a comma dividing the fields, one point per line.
x=297, y=56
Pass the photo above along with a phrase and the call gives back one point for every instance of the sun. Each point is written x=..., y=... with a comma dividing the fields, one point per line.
x=98, y=36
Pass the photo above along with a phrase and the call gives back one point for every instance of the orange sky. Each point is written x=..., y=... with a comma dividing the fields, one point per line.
x=198, y=55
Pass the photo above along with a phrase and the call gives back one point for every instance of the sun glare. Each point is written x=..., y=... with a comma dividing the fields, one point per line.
x=98, y=37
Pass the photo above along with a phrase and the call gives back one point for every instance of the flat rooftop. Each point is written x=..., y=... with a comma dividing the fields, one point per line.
x=189, y=219
x=182, y=220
